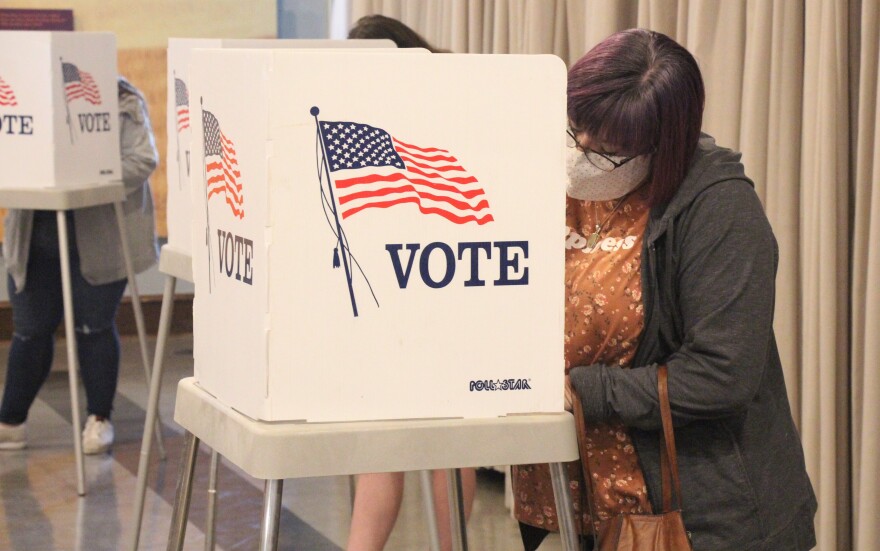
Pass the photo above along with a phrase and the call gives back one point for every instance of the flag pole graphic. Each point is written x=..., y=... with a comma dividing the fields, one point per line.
x=66, y=101
x=205, y=178
x=343, y=249
x=177, y=131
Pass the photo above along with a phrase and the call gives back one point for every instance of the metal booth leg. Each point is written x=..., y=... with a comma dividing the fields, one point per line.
x=427, y=482
x=152, y=407
x=271, y=515
x=564, y=509
x=352, y=490
x=212, y=501
x=138, y=313
x=456, y=510
x=180, y=512
x=72, y=357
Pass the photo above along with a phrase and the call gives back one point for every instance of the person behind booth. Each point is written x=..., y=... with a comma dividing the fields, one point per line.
x=670, y=260
x=378, y=495
x=98, y=277
x=378, y=26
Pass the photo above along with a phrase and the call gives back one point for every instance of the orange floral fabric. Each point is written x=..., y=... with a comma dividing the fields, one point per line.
x=603, y=320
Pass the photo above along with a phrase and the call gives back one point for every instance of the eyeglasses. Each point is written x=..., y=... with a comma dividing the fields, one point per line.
x=603, y=162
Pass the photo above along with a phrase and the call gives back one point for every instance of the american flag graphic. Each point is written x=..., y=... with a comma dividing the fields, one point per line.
x=181, y=101
x=221, y=166
x=79, y=84
x=7, y=96
x=378, y=170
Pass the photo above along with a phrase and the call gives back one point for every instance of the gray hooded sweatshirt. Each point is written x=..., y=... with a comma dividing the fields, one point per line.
x=709, y=262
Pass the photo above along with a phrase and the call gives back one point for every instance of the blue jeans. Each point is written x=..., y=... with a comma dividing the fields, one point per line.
x=38, y=310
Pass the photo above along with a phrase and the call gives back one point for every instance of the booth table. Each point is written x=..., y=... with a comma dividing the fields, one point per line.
x=176, y=264
x=61, y=200
x=278, y=450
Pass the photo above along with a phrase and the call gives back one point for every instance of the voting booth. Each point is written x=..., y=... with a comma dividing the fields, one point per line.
x=179, y=129
x=378, y=236
x=59, y=121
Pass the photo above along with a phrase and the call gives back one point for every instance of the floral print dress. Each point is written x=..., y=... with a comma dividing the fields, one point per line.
x=603, y=320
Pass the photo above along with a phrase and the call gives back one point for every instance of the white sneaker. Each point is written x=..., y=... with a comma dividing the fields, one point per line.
x=12, y=437
x=97, y=436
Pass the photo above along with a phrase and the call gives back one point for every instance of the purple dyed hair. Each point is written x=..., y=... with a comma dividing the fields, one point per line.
x=641, y=91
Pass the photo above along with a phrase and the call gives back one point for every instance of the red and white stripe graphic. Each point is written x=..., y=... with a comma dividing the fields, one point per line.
x=7, y=96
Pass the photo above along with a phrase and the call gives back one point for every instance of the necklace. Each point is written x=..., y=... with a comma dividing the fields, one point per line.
x=594, y=237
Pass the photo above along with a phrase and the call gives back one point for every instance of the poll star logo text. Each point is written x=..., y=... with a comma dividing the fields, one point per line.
x=499, y=384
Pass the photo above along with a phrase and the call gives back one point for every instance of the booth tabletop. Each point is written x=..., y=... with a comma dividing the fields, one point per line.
x=278, y=450
x=175, y=262
x=66, y=198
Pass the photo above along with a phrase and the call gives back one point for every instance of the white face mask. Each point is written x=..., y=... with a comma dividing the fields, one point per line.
x=587, y=182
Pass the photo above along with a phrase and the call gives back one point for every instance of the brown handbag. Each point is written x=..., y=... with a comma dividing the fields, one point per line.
x=663, y=531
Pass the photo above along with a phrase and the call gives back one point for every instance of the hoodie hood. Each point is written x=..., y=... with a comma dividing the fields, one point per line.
x=711, y=164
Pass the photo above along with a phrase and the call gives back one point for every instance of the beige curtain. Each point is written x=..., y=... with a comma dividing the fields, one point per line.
x=824, y=193
x=866, y=288
x=793, y=84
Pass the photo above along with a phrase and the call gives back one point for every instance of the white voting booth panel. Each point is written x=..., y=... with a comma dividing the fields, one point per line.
x=179, y=127
x=59, y=121
x=378, y=236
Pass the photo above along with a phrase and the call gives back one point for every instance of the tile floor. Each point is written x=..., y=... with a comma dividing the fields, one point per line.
x=40, y=511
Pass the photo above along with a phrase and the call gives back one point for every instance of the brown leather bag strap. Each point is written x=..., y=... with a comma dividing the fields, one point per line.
x=668, y=456
x=665, y=477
